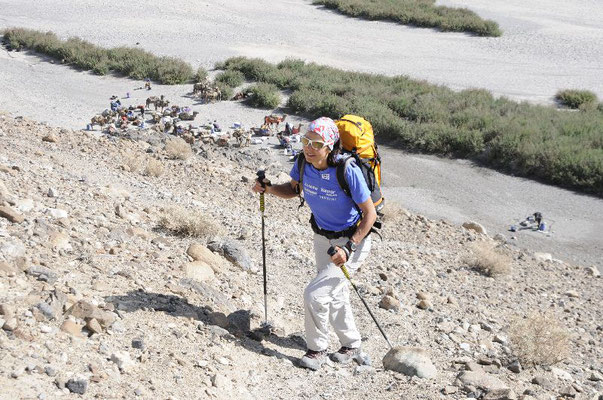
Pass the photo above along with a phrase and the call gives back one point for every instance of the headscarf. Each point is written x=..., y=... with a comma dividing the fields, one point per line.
x=327, y=129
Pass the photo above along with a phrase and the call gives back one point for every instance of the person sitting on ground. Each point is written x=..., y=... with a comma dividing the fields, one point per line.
x=337, y=220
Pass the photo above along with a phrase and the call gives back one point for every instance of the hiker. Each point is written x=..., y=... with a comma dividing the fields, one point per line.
x=337, y=220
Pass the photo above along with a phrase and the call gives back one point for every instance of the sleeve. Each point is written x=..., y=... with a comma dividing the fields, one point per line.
x=294, y=174
x=358, y=188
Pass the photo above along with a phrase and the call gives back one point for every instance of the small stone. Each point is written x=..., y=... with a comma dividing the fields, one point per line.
x=50, y=371
x=561, y=374
x=543, y=256
x=138, y=343
x=449, y=389
x=568, y=391
x=542, y=381
x=471, y=225
x=72, y=328
x=122, y=360
x=500, y=339
x=78, y=384
x=52, y=192
x=515, y=366
x=364, y=370
x=425, y=305
x=595, y=377
x=10, y=324
x=11, y=215
x=50, y=138
x=482, y=380
x=46, y=310
x=593, y=271
x=423, y=296
x=45, y=329
x=466, y=347
x=93, y=326
x=572, y=293
x=389, y=303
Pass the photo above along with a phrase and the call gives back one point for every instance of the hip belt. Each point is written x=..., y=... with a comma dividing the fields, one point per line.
x=332, y=234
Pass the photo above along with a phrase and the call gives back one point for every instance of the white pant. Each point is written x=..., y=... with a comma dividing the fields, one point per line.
x=327, y=296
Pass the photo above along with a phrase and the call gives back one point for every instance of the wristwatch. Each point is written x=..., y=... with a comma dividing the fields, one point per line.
x=351, y=246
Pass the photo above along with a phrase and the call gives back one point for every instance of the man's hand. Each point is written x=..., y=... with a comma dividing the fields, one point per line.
x=340, y=256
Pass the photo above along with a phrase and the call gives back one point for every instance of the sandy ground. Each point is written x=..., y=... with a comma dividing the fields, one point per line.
x=545, y=47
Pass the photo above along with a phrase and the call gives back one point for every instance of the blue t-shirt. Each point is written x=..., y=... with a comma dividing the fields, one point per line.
x=333, y=210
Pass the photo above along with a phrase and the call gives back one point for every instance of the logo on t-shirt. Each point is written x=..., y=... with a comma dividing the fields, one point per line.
x=325, y=176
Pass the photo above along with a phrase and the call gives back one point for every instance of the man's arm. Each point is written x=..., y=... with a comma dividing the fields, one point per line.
x=369, y=216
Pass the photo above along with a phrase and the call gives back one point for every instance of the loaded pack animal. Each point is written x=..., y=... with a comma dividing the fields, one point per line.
x=243, y=137
x=100, y=121
x=184, y=116
x=272, y=120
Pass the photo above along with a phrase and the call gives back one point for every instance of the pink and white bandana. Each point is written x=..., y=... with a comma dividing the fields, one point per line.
x=326, y=128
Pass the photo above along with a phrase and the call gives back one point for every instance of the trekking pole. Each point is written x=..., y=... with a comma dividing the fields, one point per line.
x=331, y=252
x=261, y=176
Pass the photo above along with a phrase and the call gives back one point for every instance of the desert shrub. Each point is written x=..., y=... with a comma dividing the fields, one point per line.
x=576, y=98
x=184, y=222
x=227, y=91
x=231, y=78
x=539, y=339
x=527, y=140
x=488, y=260
x=416, y=12
x=129, y=61
x=200, y=75
x=154, y=167
x=133, y=162
x=264, y=95
x=177, y=148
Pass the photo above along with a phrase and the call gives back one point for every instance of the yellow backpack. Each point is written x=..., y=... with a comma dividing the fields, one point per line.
x=358, y=140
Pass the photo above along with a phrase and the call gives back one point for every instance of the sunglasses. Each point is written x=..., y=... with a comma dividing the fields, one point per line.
x=315, y=144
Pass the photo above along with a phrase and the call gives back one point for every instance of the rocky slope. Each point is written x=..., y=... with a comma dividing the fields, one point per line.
x=99, y=298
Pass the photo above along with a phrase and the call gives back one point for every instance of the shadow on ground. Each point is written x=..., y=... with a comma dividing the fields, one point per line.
x=234, y=326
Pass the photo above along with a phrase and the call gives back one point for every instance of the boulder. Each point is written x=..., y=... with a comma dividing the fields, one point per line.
x=233, y=252
x=199, y=252
x=411, y=361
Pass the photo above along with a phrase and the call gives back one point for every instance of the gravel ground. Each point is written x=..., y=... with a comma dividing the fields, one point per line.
x=545, y=47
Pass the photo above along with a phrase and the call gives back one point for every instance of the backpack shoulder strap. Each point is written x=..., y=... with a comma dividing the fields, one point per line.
x=301, y=165
x=342, y=166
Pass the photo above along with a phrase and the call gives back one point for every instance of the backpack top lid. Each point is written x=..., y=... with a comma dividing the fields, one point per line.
x=356, y=133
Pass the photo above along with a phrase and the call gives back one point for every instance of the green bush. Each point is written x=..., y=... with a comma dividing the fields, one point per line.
x=200, y=75
x=129, y=61
x=264, y=95
x=416, y=12
x=576, y=98
x=227, y=91
x=528, y=140
x=231, y=78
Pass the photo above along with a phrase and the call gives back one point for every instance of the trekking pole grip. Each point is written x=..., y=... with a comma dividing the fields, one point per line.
x=332, y=252
x=261, y=176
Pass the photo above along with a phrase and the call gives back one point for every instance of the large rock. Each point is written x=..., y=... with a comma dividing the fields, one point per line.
x=483, y=381
x=411, y=361
x=234, y=252
x=198, y=270
x=474, y=226
x=199, y=252
x=12, y=248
